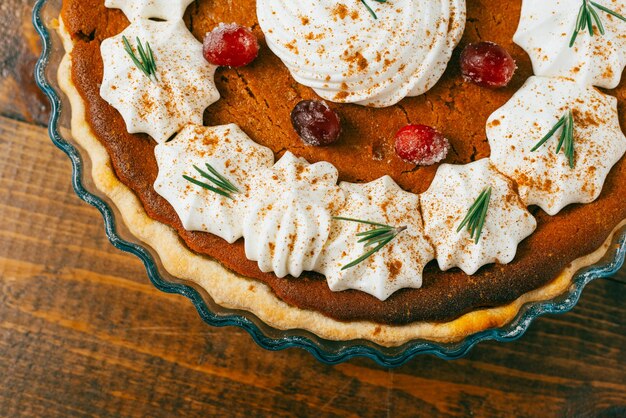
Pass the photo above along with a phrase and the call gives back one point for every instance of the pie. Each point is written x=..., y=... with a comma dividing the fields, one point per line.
x=546, y=213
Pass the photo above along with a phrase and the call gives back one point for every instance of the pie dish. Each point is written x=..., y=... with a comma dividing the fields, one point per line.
x=447, y=339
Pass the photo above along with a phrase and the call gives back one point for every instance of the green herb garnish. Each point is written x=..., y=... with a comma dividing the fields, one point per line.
x=145, y=62
x=221, y=185
x=475, y=219
x=370, y=9
x=588, y=15
x=566, y=141
x=377, y=238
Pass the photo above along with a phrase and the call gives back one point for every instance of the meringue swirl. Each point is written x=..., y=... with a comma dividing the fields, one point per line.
x=347, y=56
x=288, y=218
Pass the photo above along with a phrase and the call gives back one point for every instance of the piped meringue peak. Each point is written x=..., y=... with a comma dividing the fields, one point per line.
x=545, y=177
x=546, y=31
x=233, y=155
x=347, y=56
x=178, y=93
x=288, y=218
x=446, y=204
x=150, y=9
x=397, y=265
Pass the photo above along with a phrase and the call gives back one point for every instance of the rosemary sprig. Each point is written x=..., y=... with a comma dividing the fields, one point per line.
x=566, y=141
x=475, y=219
x=376, y=238
x=587, y=16
x=221, y=185
x=145, y=62
x=370, y=9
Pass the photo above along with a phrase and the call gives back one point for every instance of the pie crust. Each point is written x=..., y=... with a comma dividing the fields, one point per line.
x=237, y=292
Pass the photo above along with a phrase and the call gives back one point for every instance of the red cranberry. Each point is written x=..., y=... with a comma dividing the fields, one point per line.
x=421, y=145
x=316, y=123
x=230, y=45
x=487, y=64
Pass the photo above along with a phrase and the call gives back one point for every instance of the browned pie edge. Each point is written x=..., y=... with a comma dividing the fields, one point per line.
x=236, y=292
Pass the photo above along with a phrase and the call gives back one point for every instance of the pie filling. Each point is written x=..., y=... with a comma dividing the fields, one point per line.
x=302, y=185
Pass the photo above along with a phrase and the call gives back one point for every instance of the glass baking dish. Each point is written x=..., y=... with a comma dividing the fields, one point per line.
x=45, y=14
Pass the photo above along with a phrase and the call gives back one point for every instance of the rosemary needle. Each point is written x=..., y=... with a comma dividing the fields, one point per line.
x=475, y=218
x=587, y=16
x=377, y=238
x=372, y=10
x=145, y=62
x=566, y=140
x=219, y=184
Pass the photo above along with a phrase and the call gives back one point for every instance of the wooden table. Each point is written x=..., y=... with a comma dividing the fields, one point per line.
x=83, y=332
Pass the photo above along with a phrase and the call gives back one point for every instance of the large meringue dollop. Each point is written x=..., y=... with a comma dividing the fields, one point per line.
x=396, y=266
x=545, y=31
x=447, y=202
x=544, y=177
x=288, y=218
x=184, y=86
x=346, y=55
x=229, y=151
x=150, y=9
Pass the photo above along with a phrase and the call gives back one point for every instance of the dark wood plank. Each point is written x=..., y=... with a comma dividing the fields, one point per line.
x=19, y=48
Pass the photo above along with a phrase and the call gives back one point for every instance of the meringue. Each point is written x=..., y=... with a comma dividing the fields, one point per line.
x=544, y=177
x=545, y=31
x=229, y=151
x=446, y=203
x=184, y=86
x=150, y=9
x=397, y=265
x=347, y=56
x=288, y=217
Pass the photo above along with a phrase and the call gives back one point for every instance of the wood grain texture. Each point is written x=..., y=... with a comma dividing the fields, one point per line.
x=84, y=333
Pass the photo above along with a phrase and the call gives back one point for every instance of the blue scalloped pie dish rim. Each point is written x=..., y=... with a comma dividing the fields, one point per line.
x=329, y=352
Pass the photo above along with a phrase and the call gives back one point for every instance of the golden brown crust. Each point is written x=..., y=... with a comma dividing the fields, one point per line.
x=236, y=292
